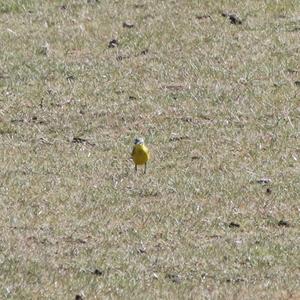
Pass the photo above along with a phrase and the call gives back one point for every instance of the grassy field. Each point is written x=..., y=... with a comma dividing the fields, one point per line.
x=217, y=216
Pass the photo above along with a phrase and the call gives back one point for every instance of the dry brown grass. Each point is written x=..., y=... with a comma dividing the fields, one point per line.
x=218, y=105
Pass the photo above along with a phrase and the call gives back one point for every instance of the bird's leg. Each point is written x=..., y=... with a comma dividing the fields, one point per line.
x=135, y=168
x=145, y=168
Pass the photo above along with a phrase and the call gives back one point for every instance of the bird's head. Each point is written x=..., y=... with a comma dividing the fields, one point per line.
x=138, y=141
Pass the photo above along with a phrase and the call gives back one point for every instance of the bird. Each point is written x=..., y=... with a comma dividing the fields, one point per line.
x=140, y=153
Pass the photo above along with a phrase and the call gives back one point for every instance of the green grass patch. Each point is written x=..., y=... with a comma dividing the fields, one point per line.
x=217, y=101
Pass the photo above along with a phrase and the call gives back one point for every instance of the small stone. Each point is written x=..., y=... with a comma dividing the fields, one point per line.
x=232, y=225
x=283, y=223
x=174, y=278
x=113, y=43
x=145, y=51
x=263, y=180
x=128, y=25
x=78, y=140
x=195, y=157
x=70, y=78
x=233, y=18
x=142, y=250
x=98, y=272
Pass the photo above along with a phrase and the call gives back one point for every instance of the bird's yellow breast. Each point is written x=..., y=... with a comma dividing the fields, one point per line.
x=140, y=154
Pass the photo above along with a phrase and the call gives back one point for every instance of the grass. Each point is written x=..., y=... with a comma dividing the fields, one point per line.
x=218, y=106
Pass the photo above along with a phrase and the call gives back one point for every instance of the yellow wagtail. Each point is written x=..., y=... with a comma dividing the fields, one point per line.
x=140, y=153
